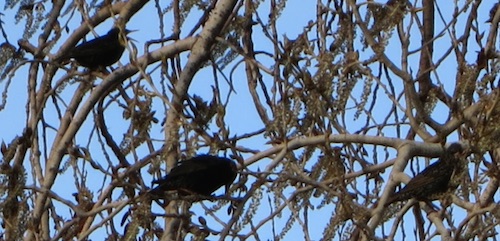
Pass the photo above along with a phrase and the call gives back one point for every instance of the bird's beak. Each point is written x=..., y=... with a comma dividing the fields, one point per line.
x=127, y=31
x=129, y=38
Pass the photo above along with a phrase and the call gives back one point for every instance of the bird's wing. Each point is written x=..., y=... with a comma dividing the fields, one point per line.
x=87, y=50
x=78, y=52
x=420, y=181
x=194, y=165
x=189, y=166
x=180, y=173
x=434, y=174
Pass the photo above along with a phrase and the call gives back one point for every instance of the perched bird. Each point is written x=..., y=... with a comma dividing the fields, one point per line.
x=200, y=175
x=102, y=51
x=435, y=180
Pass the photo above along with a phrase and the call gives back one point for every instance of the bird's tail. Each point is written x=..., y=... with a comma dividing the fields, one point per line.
x=397, y=197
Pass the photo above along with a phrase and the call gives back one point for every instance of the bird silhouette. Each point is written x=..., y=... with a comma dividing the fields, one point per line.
x=102, y=51
x=436, y=180
x=200, y=175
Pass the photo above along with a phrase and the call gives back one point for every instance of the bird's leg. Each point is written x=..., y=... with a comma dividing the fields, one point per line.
x=433, y=207
x=194, y=197
x=204, y=197
x=100, y=72
x=161, y=204
x=445, y=203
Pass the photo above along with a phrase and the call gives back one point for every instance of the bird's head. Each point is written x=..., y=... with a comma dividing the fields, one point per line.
x=455, y=148
x=234, y=173
x=121, y=34
x=234, y=170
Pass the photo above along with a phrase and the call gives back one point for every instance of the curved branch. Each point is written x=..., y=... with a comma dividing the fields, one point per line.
x=65, y=135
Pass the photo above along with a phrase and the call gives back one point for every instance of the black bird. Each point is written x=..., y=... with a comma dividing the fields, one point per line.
x=200, y=175
x=102, y=51
x=435, y=180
